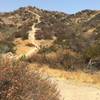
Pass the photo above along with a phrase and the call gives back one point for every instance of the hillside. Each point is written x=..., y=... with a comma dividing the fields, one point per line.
x=59, y=39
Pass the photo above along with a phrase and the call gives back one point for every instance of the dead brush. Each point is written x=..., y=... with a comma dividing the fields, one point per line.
x=17, y=83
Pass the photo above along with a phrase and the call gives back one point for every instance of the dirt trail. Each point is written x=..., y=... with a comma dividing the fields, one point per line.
x=24, y=50
x=31, y=36
x=69, y=90
x=29, y=51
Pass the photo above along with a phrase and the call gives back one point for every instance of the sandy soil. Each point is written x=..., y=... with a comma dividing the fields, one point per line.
x=72, y=86
x=72, y=91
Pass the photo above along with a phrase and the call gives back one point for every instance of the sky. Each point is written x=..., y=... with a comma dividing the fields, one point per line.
x=68, y=6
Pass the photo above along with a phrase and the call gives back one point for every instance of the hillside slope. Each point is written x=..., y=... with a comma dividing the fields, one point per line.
x=75, y=37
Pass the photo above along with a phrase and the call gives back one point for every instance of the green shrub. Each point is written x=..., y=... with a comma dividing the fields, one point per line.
x=6, y=47
x=92, y=52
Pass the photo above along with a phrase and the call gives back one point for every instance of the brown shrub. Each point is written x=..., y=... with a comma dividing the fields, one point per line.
x=17, y=83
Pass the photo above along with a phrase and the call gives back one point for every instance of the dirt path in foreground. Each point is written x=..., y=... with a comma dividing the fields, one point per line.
x=71, y=91
x=70, y=87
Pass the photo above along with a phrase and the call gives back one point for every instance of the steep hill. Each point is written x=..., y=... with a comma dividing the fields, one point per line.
x=76, y=36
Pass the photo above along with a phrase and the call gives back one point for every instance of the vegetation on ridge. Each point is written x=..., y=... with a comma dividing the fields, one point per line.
x=78, y=33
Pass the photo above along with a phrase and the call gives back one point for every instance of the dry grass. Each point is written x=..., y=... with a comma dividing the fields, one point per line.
x=78, y=76
x=22, y=46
